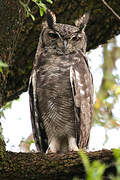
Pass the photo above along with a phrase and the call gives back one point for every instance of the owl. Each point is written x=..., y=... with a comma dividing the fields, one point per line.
x=61, y=88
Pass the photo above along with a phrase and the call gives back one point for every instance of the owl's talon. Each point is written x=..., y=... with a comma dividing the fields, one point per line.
x=49, y=151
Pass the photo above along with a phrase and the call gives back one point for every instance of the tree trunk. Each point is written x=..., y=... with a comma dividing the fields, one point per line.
x=36, y=166
x=19, y=36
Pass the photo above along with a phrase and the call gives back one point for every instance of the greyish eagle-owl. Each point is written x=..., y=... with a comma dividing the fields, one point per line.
x=61, y=88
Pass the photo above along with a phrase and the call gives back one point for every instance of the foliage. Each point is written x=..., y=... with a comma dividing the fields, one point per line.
x=39, y=3
x=96, y=169
x=108, y=94
x=2, y=65
x=117, y=158
x=25, y=144
x=8, y=105
x=1, y=136
x=93, y=170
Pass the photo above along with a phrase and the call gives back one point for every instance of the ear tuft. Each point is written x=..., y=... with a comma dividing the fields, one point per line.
x=51, y=19
x=82, y=21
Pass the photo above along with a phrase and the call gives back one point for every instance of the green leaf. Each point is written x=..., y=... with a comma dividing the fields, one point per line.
x=41, y=5
x=96, y=170
x=41, y=12
x=49, y=1
x=85, y=159
x=33, y=17
x=116, y=153
x=2, y=64
x=23, y=4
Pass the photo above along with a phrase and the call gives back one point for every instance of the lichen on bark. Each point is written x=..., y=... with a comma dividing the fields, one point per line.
x=2, y=151
x=18, y=166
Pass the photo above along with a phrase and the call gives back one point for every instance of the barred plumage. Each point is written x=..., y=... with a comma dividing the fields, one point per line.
x=61, y=89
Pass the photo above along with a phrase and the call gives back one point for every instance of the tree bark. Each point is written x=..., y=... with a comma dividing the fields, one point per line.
x=19, y=36
x=19, y=166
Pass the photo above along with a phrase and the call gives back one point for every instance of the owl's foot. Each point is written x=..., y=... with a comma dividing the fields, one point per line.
x=72, y=144
x=49, y=151
x=60, y=145
x=54, y=146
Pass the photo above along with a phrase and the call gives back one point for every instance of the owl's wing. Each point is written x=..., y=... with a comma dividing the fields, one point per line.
x=82, y=89
x=39, y=133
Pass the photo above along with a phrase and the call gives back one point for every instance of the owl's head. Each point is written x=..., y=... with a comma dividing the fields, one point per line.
x=64, y=38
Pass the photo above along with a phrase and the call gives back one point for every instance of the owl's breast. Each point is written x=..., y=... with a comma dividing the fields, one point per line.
x=55, y=95
x=55, y=70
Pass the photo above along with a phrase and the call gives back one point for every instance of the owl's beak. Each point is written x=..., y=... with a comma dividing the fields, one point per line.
x=65, y=45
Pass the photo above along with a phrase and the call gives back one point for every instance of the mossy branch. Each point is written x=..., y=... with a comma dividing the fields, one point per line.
x=36, y=166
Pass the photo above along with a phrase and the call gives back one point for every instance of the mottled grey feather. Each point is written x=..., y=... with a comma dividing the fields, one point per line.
x=61, y=89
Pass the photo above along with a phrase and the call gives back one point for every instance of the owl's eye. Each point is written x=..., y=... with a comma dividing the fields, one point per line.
x=53, y=35
x=75, y=38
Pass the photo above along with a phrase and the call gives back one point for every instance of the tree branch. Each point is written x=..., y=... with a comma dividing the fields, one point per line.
x=106, y=4
x=36, y=166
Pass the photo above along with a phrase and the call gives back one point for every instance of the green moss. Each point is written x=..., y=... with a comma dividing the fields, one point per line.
x=2, y=148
